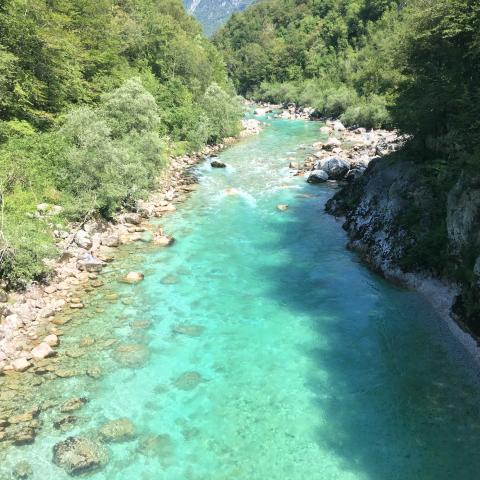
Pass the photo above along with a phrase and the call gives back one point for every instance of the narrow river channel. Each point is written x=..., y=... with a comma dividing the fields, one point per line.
x=259, y=348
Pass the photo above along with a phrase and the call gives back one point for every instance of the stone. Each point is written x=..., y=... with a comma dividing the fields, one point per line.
x=324, y=130
x=111, y=240
x=23, y=435
x=94, y=372
x=338, y=126
x=133, y=277
x=354, y=174
x=189, y=330
x=155, y=446
x=51, y=339
x=117, y=431
x=83, y=240
x=335, y=167
x=22, y=471
x=21, y=364
x=77, y=455
x=131, y=217
x=65, y=423
x=282, y=207
x=3, y=296
x=41, y=351
x=73, y=404
x=317, y=176
x=188, y=381
x=163, y=240
x=217, y=164
x=77, y=306
x=169, y=280
x=331, y=144
x=131, y=355
x=50, y=289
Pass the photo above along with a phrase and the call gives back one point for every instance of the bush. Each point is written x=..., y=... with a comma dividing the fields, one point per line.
x=371, y=113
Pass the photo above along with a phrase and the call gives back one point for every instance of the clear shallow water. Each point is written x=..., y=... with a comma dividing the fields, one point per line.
x=310, y=366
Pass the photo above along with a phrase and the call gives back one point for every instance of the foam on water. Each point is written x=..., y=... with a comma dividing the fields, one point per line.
x=300, y=363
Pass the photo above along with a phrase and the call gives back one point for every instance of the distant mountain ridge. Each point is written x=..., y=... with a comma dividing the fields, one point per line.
x=212, y=14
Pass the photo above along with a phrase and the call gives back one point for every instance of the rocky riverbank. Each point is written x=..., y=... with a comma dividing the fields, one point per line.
x=29, y=330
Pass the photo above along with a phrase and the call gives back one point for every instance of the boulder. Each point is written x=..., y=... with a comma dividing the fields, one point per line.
x=77, y=455
x=117, y=431
x=338, y=126
x=317, y=176
x=335, y=167
x=189, y=330
x=282, y=207
x=22, y=471
x=111, y=240
x=51, y=339
x=163, y=240
x=3, y=296
x=73, y=404
x=217, y=164
x=131, y=217
x=133, y=277
x=21, y=364
x=188, y=381
x=331, y=144
x=83, y=240
x=41, y=351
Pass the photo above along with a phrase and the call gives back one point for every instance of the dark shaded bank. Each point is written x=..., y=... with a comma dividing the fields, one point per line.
x=391, y=402
x=408, y=217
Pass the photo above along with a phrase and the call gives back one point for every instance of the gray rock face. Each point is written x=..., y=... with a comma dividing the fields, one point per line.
x=335, y=167
x=77, y=455
x=317, y=176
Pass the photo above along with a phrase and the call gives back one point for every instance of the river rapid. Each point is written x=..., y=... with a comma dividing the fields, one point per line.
x=259, y=348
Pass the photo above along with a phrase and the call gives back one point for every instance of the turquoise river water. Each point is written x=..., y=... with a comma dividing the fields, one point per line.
x=304, y=365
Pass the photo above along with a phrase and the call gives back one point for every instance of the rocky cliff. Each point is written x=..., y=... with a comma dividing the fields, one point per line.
x=212, y=14
x=415, y=220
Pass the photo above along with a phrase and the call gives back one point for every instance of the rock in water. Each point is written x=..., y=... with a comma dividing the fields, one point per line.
x=217, y=164
x=156, y=446
x=116, y=431
x=188, y=381
x=131, y=355
x=282, y=207
x=133, y=277
x=22, y=471
x=317, y=176
x=73, y=404
x=42, y=351
x=77, y=455
x=189, y=330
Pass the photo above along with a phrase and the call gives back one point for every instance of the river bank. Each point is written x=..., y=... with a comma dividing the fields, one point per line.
x=29, y=330
x=343, y=157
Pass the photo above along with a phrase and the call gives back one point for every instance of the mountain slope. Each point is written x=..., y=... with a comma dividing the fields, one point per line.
x=213, y=14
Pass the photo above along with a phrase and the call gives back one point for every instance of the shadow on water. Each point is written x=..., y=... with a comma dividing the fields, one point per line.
x=392, y=401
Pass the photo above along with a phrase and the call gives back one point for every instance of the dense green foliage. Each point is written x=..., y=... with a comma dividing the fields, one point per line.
x=334, y=55
x=94, y=94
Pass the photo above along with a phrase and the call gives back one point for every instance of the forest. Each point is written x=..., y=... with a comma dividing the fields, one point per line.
x=94, y=96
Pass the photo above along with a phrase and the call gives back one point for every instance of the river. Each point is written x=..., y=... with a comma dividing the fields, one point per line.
x=264, y=350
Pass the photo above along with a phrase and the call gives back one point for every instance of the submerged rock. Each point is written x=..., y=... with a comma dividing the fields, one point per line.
x=73, y=404
x=22, y=471
x=169, y=280
x=131, y=355
x=188, y=381
x=65, y=423
x=156, y=446
x=116, y=431
x=282, y=207
x=133, y=277
x=189, y=330
x=77, y=455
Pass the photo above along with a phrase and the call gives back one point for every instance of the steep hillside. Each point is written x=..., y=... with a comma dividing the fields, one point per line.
x=212, y=13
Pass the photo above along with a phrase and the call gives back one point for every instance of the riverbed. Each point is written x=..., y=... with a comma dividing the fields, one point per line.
x=257, y=347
